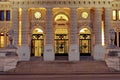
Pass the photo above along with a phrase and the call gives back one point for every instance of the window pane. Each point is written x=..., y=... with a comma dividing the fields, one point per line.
x=119, y=14
x=1, y=15
x=114, y=15
x=1, y=40
x=8, y=15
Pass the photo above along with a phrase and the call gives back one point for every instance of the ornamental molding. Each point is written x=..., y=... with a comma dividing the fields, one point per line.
x=84, y=23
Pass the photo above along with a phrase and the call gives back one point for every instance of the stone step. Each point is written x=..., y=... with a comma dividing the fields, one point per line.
x=61, y=67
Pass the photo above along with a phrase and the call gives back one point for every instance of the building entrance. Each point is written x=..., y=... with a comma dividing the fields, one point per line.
x=37, y=43
x=85, y=42
x=61, y=45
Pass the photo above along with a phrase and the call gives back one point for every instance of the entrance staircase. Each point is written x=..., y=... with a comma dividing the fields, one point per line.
x=60, y=67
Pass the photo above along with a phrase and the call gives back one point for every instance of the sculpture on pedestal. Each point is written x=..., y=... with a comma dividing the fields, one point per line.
x=11, y=39
x=112, y=38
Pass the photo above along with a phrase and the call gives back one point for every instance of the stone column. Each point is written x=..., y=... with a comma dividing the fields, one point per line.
x=74, y=45
x=5, y=30
x=15, y=25
x=25, y=26
x=24, y=50
x=99, y=50
x=98, y=26
x=48, y=48
x=108, y=25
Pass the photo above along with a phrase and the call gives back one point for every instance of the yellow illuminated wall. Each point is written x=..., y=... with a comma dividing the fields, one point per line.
x=114, y=14
x=20, y=27
x=103, y=42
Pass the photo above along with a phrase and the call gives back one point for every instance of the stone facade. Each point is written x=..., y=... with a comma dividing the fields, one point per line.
x=96, y=11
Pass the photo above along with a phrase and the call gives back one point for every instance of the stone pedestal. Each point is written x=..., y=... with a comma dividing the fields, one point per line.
x=23, y=53
x=99, y=52
x=74, y=53
x=48, y=53
x=2, y=63
x=8, y=59
x=10, y=62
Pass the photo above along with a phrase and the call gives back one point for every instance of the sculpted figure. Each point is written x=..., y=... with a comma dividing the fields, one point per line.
x=11, y=36
x=112, y=36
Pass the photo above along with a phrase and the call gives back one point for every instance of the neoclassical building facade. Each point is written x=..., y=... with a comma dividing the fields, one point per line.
x=51, y=28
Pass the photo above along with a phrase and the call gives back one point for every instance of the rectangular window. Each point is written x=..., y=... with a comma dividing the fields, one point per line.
x=1, y=40
x=2, y=15
x=119, y=14
x=8, y=15
x=114, y=15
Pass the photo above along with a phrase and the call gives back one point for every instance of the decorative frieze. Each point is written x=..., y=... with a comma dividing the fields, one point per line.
x=75, y=3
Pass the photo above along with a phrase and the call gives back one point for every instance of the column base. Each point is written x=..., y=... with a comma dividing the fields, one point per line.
x=99, y=52
x=23, y=53
x=74, y=53
x=48, y=53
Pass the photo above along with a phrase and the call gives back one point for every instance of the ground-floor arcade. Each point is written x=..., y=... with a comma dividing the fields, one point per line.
x=71, y=32
x=61, y=43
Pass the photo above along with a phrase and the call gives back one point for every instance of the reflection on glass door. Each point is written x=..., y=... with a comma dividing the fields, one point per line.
x=85, y=42
x=61, y=44
x=37, y=45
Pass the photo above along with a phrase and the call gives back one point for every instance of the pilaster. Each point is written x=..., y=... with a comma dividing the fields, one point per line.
x=48, y=48
x=99, y=50
x=98, y=25
x=108, y=24
x=74, y=47
x=25, y=25
x=15, y=25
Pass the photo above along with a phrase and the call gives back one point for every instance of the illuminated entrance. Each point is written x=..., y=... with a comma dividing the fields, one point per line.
x=61, y=42
x=37, y=43
x=85, y=42
x=61, y=35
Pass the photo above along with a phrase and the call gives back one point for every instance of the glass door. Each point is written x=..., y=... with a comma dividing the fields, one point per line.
x=61, y=45
x=85, y=45
x=85, y=42
x=37, y=45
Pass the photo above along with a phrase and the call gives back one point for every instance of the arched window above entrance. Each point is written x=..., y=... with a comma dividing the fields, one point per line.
x=85, y=31
x=61, y=17
x=37, y=31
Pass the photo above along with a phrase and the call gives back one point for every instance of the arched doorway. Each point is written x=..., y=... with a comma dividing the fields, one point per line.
x=61, y=40
x=37, y=43
x=85, y=42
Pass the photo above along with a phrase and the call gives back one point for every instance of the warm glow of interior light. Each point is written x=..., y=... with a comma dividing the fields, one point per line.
x=20, y=27
x=37, y=31
x=2, y=41
x=119, y=14
x=114, y=14
x=85, y=31
x=103, y=42
x=61, y=31
x=61, y=16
